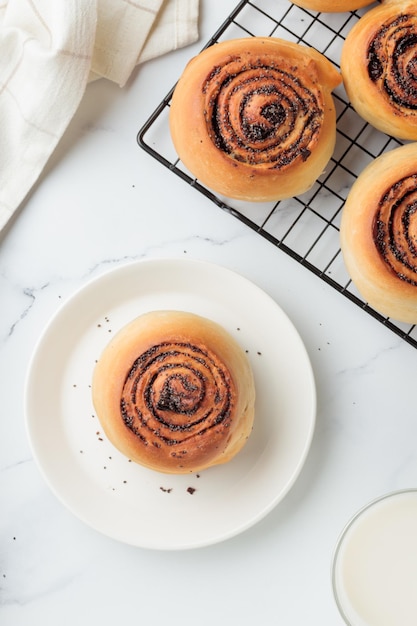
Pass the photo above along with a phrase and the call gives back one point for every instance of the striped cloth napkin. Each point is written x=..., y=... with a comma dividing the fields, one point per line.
x=50, y=50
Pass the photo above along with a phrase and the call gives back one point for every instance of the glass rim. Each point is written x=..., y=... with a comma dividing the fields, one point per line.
x=353, y=519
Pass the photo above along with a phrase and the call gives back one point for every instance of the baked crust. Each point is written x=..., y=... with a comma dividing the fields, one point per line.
x=254, y=119
x=378, y=68
x=378, y=234
x=174, y=392
x=332, y=6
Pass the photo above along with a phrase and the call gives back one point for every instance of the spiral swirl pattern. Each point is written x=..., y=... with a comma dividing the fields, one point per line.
x=395, y=229
x=263, y=111
x=175, y=392
x=392, y=61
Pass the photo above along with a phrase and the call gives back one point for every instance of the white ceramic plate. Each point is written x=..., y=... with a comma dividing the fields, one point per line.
x=122, y=499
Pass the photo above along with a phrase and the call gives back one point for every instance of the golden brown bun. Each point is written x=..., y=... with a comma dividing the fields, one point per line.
x=379, y=234
x=378, y=68
x=332, y=6
x=254, y=119
x=174, y=392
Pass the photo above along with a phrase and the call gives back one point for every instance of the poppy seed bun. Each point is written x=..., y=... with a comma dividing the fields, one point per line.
x=174, y=392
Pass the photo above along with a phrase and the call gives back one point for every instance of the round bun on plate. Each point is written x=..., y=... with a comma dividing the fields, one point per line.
x=174, y=391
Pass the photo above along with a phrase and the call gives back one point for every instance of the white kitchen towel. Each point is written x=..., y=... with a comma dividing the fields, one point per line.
x=49, y=50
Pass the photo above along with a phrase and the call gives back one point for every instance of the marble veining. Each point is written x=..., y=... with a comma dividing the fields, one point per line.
x=101, y=203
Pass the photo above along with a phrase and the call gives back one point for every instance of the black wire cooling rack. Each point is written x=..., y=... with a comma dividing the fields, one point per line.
x=306, y=227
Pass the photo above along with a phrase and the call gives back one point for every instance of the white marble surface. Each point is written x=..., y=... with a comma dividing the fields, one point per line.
x=101, y=202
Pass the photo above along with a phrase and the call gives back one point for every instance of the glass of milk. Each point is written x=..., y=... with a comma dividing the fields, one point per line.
x=374, y=570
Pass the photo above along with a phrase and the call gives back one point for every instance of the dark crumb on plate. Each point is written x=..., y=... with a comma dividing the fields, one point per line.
x=191, y=490
x=259, y=353
x=165, y=490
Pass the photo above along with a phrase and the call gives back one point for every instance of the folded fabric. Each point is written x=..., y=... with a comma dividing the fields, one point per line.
x=50, y=50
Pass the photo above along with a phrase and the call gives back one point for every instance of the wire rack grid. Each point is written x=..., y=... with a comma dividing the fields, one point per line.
x=305, y=227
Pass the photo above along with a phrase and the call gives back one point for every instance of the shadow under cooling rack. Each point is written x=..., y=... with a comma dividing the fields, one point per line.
x=305, y=227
